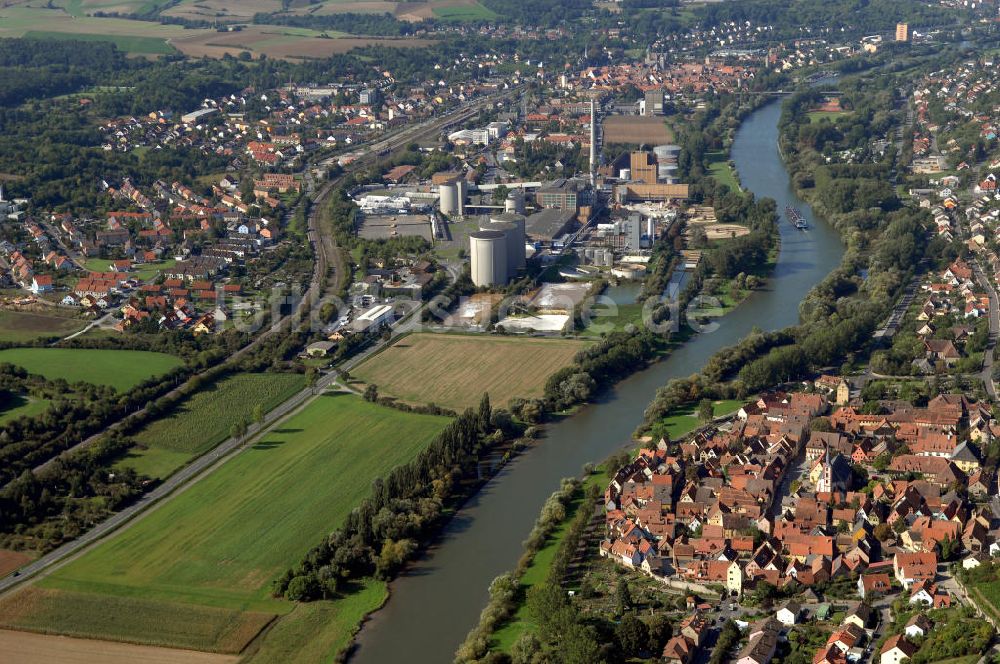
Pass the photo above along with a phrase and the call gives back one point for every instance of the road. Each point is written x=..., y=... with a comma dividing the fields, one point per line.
x=182, y=479
x=204, y=464
x=103, y=320
x=987, y=373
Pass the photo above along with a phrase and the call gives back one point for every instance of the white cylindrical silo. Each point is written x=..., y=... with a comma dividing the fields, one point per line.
x=488, y=253
x=449, y=198
x=515, y=202
x=666, y=152
x=665, y=171
x=462, y=187
x=512, y=226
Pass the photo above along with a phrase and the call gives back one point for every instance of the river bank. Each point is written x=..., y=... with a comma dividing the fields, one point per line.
x=437, y=601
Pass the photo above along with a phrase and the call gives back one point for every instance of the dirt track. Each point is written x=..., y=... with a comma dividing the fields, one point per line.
x=29, y=648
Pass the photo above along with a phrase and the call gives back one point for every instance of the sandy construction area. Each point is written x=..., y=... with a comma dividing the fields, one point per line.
x=29, y=648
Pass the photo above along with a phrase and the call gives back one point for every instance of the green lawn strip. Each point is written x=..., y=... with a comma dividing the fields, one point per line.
x=719, y=168
x=121, y=369
x=539, y=568
x=992, y=590
x=317, y=631
x=206, y=419
x=602, y=319
x=126, y=43
x=225, y=539
x=24, y=406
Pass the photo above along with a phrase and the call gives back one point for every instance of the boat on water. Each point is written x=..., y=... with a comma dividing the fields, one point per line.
x=795, y=218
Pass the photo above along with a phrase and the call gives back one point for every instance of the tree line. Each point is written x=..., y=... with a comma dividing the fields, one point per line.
x=389, y=526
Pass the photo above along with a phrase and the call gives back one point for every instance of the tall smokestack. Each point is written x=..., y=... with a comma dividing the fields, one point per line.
x=593, y=142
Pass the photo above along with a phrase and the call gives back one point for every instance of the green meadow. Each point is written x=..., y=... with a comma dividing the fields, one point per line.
x=216, y=547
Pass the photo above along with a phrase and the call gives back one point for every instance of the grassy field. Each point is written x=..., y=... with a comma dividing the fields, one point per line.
x=21, y=326
x=475, y=12
x=121, y=369
x=205, y=419
x=217, y=546
x=819, y=116
x=23, y=406
x=132, y=619
x=145, y=271
x=127, y=43
x=314, y=632
x=627, y=310
x=989, y=597
x=538, y=570
x=682, y=423
x=719, y=168
x=454, y=370
x=61, y=23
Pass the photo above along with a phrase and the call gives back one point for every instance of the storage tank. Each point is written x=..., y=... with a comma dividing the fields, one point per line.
x=449, y=198
x=462, y=187
x=666, y=152
x=512, y=225
x=509, y=235
x=488, y=252
x=514, y=202
x=666, y=171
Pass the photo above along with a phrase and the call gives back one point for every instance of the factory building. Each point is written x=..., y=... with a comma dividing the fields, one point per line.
x=561, y=194
x=488, y=253
x=651, y=103
x=546, y=225
x=655, y=193
x=373, y=319
x=642, y=166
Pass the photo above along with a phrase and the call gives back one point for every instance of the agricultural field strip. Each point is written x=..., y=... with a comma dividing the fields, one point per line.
x=204, y=587
x=454, y=370
x=180, y=481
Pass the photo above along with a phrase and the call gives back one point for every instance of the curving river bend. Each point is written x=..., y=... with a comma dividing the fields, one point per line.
x=438, y=600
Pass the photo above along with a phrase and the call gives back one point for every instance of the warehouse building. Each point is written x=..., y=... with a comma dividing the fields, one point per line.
x=546, y=225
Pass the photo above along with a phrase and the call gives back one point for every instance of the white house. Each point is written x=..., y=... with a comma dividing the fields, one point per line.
x=918, y=625
x=41, y=283
x=788, y=615
x=896, y=650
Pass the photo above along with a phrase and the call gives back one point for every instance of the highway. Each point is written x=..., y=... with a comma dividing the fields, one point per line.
x=327, y=252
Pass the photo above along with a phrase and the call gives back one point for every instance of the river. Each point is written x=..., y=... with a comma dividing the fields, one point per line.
x=436, y=603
